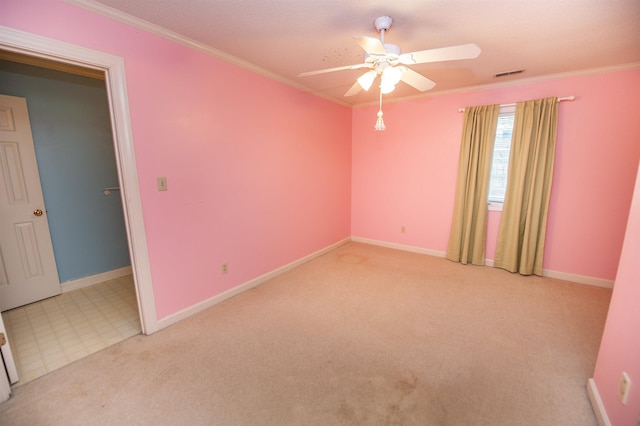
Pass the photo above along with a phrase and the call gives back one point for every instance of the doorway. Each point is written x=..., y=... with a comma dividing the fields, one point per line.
x=113, y=69
x=71, y=130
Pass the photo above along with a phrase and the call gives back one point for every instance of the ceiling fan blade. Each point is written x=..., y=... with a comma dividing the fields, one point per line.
x=452, y=53
x=345, y=67
x=416, y=80
x=371, y=45
x=353, y=90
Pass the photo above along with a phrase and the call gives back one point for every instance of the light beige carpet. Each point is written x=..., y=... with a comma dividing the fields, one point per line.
x=363, y=335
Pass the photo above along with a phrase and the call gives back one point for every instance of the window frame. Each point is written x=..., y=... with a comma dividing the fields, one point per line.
x=494, y=205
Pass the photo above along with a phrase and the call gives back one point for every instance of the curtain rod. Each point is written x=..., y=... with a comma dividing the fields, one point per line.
x=566, y=98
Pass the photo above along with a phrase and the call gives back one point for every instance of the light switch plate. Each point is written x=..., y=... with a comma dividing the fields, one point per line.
x=162, y=183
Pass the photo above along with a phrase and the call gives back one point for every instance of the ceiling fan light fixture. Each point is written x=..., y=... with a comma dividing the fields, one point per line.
x=387, y=61
x=387, y=88
x=366, y=80
x=391, y=76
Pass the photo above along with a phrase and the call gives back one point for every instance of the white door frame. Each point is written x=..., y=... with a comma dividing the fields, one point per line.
x=113, y=67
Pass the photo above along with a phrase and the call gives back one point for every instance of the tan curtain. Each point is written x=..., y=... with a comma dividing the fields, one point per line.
x=523, y=224
x=468, y=229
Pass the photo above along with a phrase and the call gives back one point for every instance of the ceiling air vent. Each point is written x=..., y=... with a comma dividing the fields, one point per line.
x=506, y=73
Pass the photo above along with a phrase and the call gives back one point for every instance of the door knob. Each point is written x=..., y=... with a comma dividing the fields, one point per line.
x=37, y=212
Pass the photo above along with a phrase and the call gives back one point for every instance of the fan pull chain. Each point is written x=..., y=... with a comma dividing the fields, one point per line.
x=380, y=122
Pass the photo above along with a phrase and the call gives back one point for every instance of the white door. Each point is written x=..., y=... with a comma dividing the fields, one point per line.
x=27, y=265
x=5, y=388
x=9, y=365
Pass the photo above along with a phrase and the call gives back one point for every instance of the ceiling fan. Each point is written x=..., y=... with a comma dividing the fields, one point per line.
x=387, y=61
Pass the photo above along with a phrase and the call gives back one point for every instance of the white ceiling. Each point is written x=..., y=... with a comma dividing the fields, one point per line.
x=287, y=37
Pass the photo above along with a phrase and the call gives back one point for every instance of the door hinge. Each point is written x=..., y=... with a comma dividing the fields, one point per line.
x=3, y=339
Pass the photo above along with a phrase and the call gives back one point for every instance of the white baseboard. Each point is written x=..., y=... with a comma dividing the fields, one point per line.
x=95, y=279
x=596, y=404
x=396, y=246
x=580, y=279
x=194, y=309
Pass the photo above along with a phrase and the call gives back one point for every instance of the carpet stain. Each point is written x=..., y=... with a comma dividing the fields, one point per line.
x=395, y=410
x=407, y=386
x=346, y=412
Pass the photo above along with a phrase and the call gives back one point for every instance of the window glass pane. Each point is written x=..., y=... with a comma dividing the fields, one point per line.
x=500, y=162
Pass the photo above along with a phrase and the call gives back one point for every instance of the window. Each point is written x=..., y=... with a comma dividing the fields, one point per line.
x=500, y=160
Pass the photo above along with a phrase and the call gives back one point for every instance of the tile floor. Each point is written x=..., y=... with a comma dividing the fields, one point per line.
x=49, y=334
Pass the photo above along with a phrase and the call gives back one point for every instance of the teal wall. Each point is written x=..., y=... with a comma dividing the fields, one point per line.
x=71, y=128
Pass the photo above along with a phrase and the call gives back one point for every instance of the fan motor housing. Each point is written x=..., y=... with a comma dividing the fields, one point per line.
x=393, y=50
x=393, y=53
x=382, y=23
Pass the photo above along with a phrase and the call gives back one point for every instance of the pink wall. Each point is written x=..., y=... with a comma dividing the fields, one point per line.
x=620, y=347
x=406, y=175
x=258, y=179
x=258, y=172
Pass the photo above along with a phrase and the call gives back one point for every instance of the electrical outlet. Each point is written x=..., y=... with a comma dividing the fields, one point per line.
x=623, y=387
x=225, y=268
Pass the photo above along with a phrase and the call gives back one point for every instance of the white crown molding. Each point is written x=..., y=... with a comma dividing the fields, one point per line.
x=512, y=83
x=546, y=77
x=133, y=21
x=149, y=27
